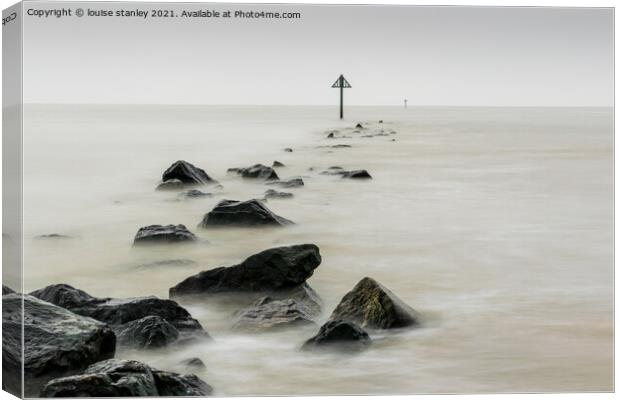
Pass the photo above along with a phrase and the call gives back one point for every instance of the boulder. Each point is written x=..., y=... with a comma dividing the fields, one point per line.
x=56, y=342
x=126, y=378
x=147, y=333
x=257, y=171
x=153, y=234
x=187, y=174
x=7, y=290
x=357, y=174
x=269, y=313
x=277, y=164
x=274, y=269
x=291, y=183
x=242, y=214
x=118, y=312
x=342, y=334
x=274, y=194
x=359, y=126
x=373, y=306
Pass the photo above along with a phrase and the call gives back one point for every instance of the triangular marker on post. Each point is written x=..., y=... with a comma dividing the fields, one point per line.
x=341, y=83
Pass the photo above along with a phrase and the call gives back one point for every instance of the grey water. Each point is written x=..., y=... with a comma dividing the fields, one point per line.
x=494, y=223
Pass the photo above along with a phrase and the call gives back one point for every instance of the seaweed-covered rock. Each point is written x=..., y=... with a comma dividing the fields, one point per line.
x=291, y=183
x=343, y=334
x=257, y=171
x=118, y=312
x=273, y=269
x=126, y=378
x=153, y=234
x=147, y=333
x=274, y=194
x=277, y=164
x=187, y=173
x=371, y=305
x=56, y=342
x=242, y=213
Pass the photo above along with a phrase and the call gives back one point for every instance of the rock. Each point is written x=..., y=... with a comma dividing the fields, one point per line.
x=342, y=334
x=187, y=174
x=380, y=121
x=357, y=174
x=291, y=183
x=277, y=164
x=359, y=126
x=147, y=333
x=194, y=194
x=257, y=171
x=53, y=236
x=330, y=135
x=288, y=150
x=172, y=184
x=194, y=363
x=274, y=194
x=268, y=313
x=393, y=140
x=126, y=378
x=242, y=214
x=371, y=305
x=57, y=342
x=164, y=234
x=335, y=146
x=177, y=262
x=7, y=290
x=118, y=312
x=274, y=269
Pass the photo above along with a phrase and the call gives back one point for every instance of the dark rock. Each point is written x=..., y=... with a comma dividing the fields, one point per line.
x=194, y=194
x=242, y=213
x=118, y=312
x=147, y=333
x=371, y=305
x=57, y=342
x=53, y=236
x=172, y=184
x=164, y=234
x=187, y=173
x=380, y=121
x=277, y=164
x=330, y=135
x=357, y=174
x=342, y=334
x=291, y=183
x=257, y=171
x=274, y=194
x=278, y=268
x=268, y=313
x=335, y=146
x=7, y=290
x=359, y=126
x=288, y=150
x=393, y=140
x=195, y=363
x=126, y=378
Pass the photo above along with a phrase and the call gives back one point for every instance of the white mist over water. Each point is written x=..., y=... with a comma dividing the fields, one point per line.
x=494, y=223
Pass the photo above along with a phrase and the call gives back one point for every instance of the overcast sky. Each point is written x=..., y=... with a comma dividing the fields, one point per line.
x=429, y=55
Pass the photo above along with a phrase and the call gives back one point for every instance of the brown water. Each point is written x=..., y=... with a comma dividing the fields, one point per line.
x=494, y=223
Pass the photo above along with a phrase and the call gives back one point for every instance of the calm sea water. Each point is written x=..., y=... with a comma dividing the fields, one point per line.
x=494, y=223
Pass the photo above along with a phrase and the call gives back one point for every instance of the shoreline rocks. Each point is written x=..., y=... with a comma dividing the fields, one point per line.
x=269, y=314
x=256, y=171
x=274, y=194
x=371, y=305
x=181, y=174
x=291, y=183
x=250, y=213
x=277, y=164
x=158, y=234
x=338, y=334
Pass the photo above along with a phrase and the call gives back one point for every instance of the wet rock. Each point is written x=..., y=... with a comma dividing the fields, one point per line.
x=359, y=126
x=118, y=312
x=341, y=334
x=380, y=121
x=7, y=290
x=164, y=234
x=172, y=184
x=330, y=135
x=277, y=164
x=291, y=183
x=194, y=363
x=194, y=194
x=357, y=174
x=233, y=213
x=57, y=342
x=371, y=305
x=53, y=236
x=274, y=269
x=187, y=174
x=257, y=171
x=126, y=378
x=288, y=150
x=274, y=194
x=147, y=333
x=269, y=313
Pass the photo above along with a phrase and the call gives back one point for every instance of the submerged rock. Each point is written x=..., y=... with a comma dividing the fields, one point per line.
x=164, y=234
x=257, y=171
x=274, y=194
x=194, y=363
x=291, y=183
x=269, y=313
x=357, y=174
x=274, y=269
x=118, y=312
x=187, y=173
x=53, y=236
x=126, y=378
x=342, y=334
x=242, y=214
x=194, y=194
x=288, y=150
x=359, y=126
x=277, y=164
x=371, y=305
x=56, y=342
x=172, y=184
x=148, y=332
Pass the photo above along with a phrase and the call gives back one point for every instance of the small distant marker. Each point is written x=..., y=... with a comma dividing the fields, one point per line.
x=341, y=83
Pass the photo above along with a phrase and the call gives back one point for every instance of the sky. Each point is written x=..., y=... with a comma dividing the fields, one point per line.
x=462, y=56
